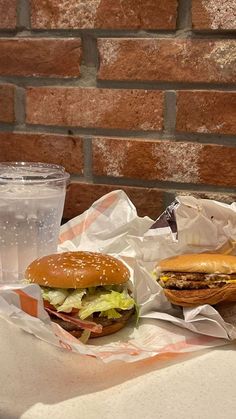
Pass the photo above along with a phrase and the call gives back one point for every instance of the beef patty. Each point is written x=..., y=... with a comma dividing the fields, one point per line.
x=195, y=280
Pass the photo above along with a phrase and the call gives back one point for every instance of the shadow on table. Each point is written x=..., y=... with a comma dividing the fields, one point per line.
x=35, y=372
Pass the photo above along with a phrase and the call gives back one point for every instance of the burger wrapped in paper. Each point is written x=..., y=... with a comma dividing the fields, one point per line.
x=196, y=279
x=86, y=293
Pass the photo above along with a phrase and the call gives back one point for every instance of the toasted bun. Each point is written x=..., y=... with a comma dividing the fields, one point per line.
x=189, y=298
x=77, y=270
x=199, y=262
x=112, y=327
x=106, y=330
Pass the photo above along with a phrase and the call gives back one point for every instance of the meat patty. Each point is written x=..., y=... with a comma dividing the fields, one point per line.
x=195, y=280
x=104, y=321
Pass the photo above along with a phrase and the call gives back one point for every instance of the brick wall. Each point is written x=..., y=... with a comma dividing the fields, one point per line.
x=135, y=94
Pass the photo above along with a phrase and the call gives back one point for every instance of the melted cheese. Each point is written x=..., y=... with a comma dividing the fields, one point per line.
x=164, y=278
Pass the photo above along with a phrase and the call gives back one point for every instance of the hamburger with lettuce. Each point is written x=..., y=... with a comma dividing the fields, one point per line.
x=86, y=293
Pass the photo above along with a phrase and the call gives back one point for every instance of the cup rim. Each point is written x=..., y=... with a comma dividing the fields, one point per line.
x=55, y=173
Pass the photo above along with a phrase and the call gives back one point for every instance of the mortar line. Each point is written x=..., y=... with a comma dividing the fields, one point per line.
x=184, y=16
x=20, y=105
x=89, y=73
x=87, y=150
x=23, y=15
x=202, y=138
x=163, y=185
x=169, y=112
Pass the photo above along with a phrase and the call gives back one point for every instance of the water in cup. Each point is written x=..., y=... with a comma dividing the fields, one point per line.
x=31, y=205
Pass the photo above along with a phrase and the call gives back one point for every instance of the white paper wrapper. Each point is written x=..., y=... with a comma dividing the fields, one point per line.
x=189, y=225
x=112, y=226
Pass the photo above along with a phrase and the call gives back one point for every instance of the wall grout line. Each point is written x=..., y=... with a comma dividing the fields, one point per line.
x=88, y=73
x=184, y=16
x=23, y=15
x=170, y=112
x=87, y=149
x=162, y=185
x=24, y=21
x=86, y=133
x=20, y=106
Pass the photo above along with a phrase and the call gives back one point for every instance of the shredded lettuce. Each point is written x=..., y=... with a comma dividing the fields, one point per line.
x=85, y=336
x=154, y=274
x=74, y=300
x=104, y=302
x=55, y=296
x=110, y=314
x=89, y=300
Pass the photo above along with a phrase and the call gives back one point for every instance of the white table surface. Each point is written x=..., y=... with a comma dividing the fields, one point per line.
x=39, y=381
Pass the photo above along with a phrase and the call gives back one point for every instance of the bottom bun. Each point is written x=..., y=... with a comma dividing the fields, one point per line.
x=108, y=326
x=189, y=298
x=106, y=330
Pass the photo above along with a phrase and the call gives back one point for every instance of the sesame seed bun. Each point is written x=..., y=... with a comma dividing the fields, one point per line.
x=200, y=262
x=77, y=270
x=71, y=270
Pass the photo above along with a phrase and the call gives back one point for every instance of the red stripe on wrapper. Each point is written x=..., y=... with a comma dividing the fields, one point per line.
x=85, y=224
x=28, y=304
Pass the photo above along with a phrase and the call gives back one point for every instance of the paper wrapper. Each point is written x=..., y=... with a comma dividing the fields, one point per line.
x=112, y=226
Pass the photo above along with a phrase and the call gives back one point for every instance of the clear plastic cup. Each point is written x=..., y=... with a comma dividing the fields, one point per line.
x=32, y=197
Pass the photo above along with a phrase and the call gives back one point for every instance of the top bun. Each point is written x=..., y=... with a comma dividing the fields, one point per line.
x=201, y=262
x=77, y=270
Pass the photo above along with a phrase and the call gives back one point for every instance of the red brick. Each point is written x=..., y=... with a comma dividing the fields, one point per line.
x=48, y=148
x=206, y=112
x=7, y=14
x=179, y=60
x=95, y=108
x=104, y=14
x=40, y=57
x=7, y=113
x=184, y=162
x=214, y=14
x=80, y=196
x=148, y=201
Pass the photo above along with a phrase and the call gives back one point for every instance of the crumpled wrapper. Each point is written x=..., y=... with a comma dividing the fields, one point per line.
x=189, y=225
x=112, y=226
